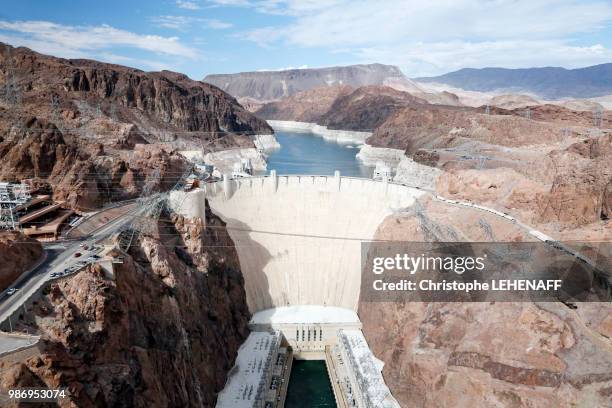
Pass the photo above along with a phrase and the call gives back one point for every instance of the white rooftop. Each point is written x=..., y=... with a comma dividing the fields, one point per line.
x=249, y=372
x=368, y=369
x=305, y=314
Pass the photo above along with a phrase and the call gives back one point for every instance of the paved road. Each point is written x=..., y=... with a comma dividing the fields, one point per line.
x=60, y=256
x=10, y=342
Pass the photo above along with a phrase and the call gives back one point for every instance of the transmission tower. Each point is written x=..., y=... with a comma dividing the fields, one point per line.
x=566, y=133
x=55, y=111
x=597, y=117
x=11, y=86
x=527, y=113
x=113, y=112
x=486, y=228
x=488, y=109
x=481, y=162
x=151, y=205
x=12, y=195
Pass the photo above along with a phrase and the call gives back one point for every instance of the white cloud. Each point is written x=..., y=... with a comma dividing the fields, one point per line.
x=74, y=40
x=187, y=5
x=217, y=24
x=264, y=36
x=283, y=68
x=431, y=36
x=290, y=7
x=424, y=59
x=182, y=23
x=238, y=3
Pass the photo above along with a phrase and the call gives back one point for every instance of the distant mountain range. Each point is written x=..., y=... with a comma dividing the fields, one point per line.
x=274, y=85
x=549, y=83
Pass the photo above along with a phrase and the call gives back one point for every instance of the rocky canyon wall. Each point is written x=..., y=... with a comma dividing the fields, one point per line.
x=493, y=354
x=164, y=331
x=91, y=132
x=17, y=255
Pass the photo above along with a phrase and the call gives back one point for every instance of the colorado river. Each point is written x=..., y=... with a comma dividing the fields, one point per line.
x=307, y=153
x=309, y=386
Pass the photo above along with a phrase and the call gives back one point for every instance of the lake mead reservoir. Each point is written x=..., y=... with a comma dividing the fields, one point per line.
x=308, y=153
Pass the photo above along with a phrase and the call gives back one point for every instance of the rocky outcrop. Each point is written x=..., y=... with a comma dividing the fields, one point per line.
x=488, y=355
x=340, y=107
x=305, y=106
x=562, y=115
x=417, y=127
x=273, y=85
x=560, y=189
x=583, y=105
x=84, y=90
x=366, y=108
x=513, y=101
x=412, y=173
x=82, y=174
x=580, y=192
x=485, y=354
x=17, y=254
x=162, y=331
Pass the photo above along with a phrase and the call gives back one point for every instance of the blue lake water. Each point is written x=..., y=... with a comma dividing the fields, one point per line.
x=307, y=153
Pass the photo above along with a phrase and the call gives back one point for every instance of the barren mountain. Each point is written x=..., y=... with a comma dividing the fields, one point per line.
x=549, y=82
x=582, y=105
x=550, y=170
x=563, y=115
x=75, y=123
x=366, y=108
x=160, y=104
x=305, y=106
x=513, y=101
x=361, y=109
x=273, y=85
x=428, y=126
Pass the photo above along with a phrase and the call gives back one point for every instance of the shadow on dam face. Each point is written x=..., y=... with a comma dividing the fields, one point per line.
x=299, y=237
x=256, y=286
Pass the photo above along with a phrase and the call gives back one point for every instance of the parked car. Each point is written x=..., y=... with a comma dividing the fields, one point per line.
x=77, y=254
x=11, y=291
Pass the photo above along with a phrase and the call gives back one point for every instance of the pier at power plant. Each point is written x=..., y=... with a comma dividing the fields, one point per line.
x=299, y=242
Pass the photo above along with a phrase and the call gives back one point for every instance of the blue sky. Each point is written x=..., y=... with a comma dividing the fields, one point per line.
x=198, y=37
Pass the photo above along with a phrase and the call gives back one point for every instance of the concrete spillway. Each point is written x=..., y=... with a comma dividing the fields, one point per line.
x=299, y=237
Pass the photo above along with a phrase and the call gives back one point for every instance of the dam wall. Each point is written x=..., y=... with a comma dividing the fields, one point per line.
x=299, y=237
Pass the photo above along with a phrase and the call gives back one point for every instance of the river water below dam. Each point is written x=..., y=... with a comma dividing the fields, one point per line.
x=309, y=386
x=307, y=153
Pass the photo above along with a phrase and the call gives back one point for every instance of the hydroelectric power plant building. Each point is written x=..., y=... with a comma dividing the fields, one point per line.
x=298, y=239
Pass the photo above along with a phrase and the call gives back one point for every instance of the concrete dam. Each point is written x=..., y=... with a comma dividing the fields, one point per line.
x=298, y=240
x=299, y=237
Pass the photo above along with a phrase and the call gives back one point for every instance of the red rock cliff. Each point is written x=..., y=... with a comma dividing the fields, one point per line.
x=163, y=332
